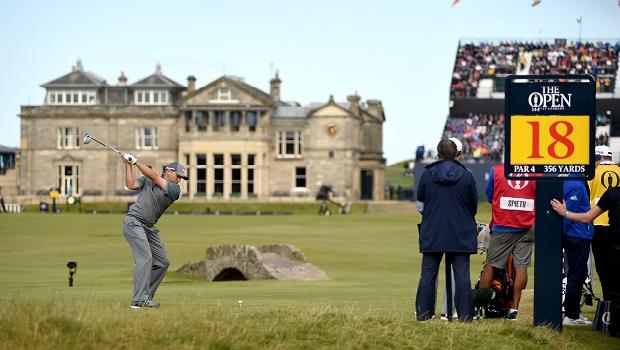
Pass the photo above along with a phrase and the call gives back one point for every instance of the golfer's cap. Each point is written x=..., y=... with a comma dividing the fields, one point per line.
x=178, y=168
x=603, y=151
x=457, y=142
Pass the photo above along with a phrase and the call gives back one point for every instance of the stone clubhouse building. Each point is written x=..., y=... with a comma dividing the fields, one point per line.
x=239, y=142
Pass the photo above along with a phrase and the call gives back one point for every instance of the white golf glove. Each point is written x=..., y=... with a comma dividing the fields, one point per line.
x=130, y=158
x=484, y=236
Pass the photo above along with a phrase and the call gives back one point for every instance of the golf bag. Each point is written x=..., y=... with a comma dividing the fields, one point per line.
x=494, y=301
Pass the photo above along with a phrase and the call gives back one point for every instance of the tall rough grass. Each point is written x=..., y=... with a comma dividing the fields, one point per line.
x=66, y=323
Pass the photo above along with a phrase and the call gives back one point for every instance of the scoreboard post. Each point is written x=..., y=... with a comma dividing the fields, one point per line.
x=549, y=138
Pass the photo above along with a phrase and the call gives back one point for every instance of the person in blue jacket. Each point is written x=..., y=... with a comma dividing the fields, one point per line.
x=576, y=237
x=448, y=200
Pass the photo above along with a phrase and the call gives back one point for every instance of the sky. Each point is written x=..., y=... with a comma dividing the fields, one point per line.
x=400, y=52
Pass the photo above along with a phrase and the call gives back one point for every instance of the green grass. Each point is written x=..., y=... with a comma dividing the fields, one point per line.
x=373, y=260
x=394, y=175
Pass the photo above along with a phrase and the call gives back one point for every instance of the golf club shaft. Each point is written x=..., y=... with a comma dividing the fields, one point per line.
x=103, y=144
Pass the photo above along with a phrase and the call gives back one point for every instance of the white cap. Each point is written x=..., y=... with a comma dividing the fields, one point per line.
x=459, y=145
x=603, y=151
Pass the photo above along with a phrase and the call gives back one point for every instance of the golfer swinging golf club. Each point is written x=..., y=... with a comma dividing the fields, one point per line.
x=156, y=194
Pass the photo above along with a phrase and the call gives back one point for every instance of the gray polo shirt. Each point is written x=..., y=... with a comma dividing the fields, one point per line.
x=153, y=201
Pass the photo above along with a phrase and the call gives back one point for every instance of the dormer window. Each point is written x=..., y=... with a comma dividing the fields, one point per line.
x=151, y=97
x=71, y=97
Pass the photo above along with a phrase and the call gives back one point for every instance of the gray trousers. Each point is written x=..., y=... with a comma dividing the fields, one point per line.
x=149, y=257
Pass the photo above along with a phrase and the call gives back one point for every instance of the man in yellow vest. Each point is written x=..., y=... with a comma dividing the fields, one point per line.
x=606, y=176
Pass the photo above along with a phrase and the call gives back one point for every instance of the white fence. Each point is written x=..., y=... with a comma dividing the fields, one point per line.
x=12, y=208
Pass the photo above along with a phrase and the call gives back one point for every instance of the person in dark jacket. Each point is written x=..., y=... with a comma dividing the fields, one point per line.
x=448, y=200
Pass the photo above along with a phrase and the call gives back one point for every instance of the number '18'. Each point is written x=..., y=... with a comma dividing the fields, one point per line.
x=557, y=137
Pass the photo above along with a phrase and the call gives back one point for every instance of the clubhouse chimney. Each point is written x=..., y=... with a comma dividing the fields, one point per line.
x=354, y=102
x=191, y=84
x=375, y=108
x=275, y=86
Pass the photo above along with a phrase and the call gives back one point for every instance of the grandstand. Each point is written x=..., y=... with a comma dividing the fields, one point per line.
x=476, y=115
x=481, y=67
x=477, y=87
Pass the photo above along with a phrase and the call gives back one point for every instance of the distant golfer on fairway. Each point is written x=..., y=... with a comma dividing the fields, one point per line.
x=156, y=194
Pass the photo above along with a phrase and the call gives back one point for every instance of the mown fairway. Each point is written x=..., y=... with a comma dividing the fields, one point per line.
x=373, y=260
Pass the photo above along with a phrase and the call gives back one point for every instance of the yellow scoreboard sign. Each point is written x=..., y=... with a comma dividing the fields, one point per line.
x=550, y=140
x=550, y=126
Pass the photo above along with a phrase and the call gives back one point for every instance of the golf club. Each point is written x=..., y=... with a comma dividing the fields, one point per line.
x=87, y=139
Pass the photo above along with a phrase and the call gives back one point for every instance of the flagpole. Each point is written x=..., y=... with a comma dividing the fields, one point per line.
x=580, y=20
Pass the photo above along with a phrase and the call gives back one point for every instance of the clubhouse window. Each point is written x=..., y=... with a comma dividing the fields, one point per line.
x=147, y=138
x=300, y=177
x=151, y=97
x=218, y=174
x=251, y=120
x=201, y=174
x=290, y=144
x=251, y=167
x=69, y=179
x=68, y=138
x=235, y=167
x=73, y=97
x=223, y=95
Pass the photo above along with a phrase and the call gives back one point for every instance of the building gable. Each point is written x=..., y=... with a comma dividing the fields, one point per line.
x=331, y=109
x=228, y=91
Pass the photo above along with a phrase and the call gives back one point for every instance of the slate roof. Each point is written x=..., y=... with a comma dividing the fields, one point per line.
x=291, y=111
x=5, y=149
x=297, y=111
x=77, y=78
x=157, y=79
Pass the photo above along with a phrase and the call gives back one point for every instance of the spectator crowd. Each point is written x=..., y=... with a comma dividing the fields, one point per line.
x=487, y=60
x=475, y=62
x=482, y=136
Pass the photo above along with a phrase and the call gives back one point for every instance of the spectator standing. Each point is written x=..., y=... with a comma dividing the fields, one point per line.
x=576, y=237
x=448, y=200
x=445, y=312
x=610, y=201
x=606, y=175
x=419, y=153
